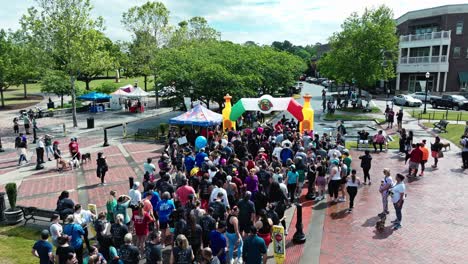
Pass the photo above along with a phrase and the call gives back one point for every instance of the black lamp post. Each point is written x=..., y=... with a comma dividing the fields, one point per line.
x=425, y=95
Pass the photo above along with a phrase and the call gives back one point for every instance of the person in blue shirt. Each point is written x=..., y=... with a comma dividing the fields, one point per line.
x=292, y=179
x=76, y=232
x=164, y=209
x=254, y=249
x=218, y=242
x=200, y=157
x=43, y=249
x=189, y=160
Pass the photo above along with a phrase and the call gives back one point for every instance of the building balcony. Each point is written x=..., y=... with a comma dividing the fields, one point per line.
x=423, y=64
x=424, y=40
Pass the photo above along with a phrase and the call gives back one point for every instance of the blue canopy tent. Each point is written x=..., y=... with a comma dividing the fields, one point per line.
x=198, y=116
x=95, y=97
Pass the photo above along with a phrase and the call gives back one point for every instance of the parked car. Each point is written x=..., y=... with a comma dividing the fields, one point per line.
x=311, y=79
x=422, y=95
x=455, y=102
x=406, y=100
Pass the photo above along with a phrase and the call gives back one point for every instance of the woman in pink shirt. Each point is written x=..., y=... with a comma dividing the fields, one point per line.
x=183, y=192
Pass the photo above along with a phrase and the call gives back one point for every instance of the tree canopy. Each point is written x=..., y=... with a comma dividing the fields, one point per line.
x=364, y=50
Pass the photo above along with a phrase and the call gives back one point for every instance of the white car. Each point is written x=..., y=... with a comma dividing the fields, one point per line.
x=406, y=100
x=422, y=95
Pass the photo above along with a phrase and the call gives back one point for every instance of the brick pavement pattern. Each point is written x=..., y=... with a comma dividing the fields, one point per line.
x=434, y=218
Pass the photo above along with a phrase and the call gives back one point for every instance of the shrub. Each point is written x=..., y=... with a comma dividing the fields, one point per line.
x=163, y=127
x=11, y=193
x=107, y=87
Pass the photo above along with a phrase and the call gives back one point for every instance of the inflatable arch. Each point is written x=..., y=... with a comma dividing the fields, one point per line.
x=266, y=104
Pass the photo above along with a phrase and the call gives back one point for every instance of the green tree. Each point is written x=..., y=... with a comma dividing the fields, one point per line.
x=56, y=82
x=149, y=25
x=98, y=60
x=5, y=64
x=60, y=27
x=28, y=61
x=364, y=50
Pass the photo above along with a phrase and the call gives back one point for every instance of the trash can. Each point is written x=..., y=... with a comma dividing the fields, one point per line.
x=90, y=122
x=2, y=206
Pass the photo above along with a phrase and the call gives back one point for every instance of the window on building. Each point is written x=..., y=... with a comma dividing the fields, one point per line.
x=459, y=29
x=456, y=52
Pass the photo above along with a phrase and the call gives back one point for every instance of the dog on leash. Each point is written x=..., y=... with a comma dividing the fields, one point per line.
x=74, y=164
x=445, y=146
x=380, y=225
x=85, y=158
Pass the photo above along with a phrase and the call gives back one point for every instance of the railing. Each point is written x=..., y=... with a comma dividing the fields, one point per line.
x=426, y=36
x=423, y=59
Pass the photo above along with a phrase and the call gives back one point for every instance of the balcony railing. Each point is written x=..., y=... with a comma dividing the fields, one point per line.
x=426, y=36
x=423, y=59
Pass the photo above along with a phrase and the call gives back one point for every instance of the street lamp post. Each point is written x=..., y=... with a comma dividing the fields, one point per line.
x=191, y=96
x=425, y=95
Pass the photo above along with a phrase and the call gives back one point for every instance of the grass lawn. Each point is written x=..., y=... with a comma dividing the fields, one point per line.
x=454, y=132
x=391, y=145
x=336, y=117
x=374, y=110
x=14, y=94
x=439, y=115
x=16, y=243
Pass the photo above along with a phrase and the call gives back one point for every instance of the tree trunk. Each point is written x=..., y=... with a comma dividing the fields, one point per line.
x=87, y=81
x=1, y=96
x=156, y=91
x=107, y=74
x=73, y=95
x=25, y=92
x=61, y=101
x=146, y=83
x=117, y=76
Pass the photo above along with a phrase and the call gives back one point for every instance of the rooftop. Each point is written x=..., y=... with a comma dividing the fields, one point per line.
x=434, y=11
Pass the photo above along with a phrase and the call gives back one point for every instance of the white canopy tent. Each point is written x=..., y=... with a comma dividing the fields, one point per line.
x=137, y=93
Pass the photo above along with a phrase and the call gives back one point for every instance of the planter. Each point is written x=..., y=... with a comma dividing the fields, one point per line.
x=13, y=216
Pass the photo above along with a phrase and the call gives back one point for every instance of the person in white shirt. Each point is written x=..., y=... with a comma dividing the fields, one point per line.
x=277, y=151
x=398, y=199
x=83, y=217
x=149, y=167
x=56, y=229
x=334, y=183
x=386, y=185
x=352, y=184
x=283, y=186
x=218, y=189
x=135, y=195
x=40, y=148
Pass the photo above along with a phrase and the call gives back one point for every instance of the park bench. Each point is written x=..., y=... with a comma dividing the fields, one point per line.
x=146, y=133
x=441, y=125
x=31, y=213
x=369, y=140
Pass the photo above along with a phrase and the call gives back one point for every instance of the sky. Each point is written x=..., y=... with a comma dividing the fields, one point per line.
x=301, y=22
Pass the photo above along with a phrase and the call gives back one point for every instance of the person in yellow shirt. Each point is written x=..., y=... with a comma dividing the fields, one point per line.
x=425, y=156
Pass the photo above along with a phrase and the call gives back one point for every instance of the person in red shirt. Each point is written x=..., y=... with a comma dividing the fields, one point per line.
x=415, y=158
x=74, y=148
x=425, y=156
x=182, y=193
x=141, y=221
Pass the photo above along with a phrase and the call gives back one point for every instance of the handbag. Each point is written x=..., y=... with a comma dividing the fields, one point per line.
x=440, y=154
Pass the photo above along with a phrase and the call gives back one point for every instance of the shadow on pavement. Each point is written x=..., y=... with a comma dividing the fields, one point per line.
x=339, y=215
x=321, y=206
x=371, y=221
x=388, y=231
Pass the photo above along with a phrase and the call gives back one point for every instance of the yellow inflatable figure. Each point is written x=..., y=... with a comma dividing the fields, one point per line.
x=227, y=123
x=308, y=123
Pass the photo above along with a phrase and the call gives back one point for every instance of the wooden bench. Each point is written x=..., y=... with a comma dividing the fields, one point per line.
x=146, y=133
x=30, y=213
x=441, y=125
x=369, y=142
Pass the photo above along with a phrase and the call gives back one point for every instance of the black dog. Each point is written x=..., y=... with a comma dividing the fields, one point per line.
x=380, y=225
x=85, y=157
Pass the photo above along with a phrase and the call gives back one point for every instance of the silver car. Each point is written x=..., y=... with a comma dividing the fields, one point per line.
x=422, y=95
x=406, y=100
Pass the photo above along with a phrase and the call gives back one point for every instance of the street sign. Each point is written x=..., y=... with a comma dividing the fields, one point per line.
x=279, y=244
